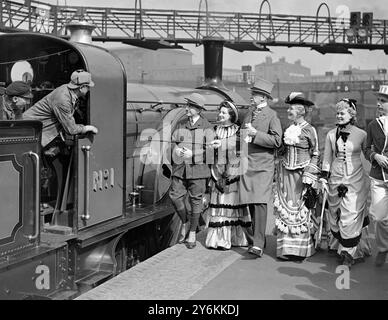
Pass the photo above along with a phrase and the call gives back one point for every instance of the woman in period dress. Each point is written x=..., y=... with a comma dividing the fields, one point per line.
x=347, y=185
x=297, y=184
x=227, y=218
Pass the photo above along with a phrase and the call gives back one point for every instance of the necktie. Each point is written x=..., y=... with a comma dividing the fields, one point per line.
x=256, y=113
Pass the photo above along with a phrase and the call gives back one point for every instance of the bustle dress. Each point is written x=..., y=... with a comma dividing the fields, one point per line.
x=295, y=223
x=348, y=186
x=228, y=219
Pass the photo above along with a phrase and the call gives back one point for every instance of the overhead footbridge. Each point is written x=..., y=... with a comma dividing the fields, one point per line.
x=241, y=31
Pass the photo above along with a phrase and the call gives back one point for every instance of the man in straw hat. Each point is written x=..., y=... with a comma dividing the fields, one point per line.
x=261, y=130
x=56, y=109
x=377, y=154
x=14, y=100
x=190, y=169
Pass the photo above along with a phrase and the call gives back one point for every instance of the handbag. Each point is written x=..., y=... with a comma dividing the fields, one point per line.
x=310, y=197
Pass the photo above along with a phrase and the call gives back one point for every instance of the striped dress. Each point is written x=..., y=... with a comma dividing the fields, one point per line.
x=295, y=223
x=228, y=218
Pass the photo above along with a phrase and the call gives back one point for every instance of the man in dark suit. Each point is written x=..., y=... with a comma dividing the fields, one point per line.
x=261, y=130
x=377, y=154
x=190, y=168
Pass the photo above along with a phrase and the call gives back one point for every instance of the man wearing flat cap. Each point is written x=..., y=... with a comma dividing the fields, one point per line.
x=377, y=154
x=261, y=130
x=56, y=110
x=14, y=100
x=190, y=167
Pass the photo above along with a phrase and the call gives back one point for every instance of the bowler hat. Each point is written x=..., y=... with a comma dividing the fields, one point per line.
x=383, y=91
x=18, y=89
x=79, y=78
x=196, y=100
x=298, y=98
x=262, y=86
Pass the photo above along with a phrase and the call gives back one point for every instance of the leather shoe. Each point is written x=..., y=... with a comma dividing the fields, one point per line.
x=380, y=258
x=347, y=259
x=182, y=239
x=256, y=251
x=190, y=245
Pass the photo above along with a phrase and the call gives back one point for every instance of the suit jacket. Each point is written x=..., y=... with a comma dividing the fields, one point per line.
x=256, y=180
x=376, y=142
x=193, y=138
x=268, y=138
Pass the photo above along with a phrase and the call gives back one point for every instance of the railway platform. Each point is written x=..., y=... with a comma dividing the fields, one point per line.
x=203, y=274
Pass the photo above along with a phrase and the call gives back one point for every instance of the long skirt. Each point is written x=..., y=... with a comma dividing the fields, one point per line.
x=347, y=213
x=228, y=219
x=295, y=224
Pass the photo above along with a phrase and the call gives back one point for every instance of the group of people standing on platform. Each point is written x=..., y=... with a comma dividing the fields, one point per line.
x=236, y=161
x=265, y=164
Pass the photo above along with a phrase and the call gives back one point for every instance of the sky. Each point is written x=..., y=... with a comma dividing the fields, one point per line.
x=317, y=62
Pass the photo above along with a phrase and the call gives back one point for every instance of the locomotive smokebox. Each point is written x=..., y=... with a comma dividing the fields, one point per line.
x=213, y=54
x=81, y=31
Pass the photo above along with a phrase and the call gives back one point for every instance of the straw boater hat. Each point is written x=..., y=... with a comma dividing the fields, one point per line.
x=383, y=91
x=298, y=98
x=262, y=86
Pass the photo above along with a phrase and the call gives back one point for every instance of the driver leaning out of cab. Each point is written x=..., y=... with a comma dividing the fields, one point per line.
x=56, y=110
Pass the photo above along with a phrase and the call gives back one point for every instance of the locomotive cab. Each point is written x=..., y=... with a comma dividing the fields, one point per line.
x=85, y=184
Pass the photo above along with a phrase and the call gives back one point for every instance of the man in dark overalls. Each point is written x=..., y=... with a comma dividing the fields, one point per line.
x=190, y=168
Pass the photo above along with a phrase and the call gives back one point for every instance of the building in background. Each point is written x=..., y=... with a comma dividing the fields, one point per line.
x=175, y=68
x=167, y=67
x=282, y=70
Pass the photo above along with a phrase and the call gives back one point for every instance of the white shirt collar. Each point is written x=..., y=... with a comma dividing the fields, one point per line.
x=193, y=120
x=384, y=121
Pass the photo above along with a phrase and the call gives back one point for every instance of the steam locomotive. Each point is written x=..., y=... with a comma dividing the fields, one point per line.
x=102, y=207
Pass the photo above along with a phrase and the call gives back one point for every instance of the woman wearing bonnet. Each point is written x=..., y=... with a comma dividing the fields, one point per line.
x=296, y=187
x=347, y=185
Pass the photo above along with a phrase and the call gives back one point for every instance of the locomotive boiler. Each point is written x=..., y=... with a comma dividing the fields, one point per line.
x=102, y=206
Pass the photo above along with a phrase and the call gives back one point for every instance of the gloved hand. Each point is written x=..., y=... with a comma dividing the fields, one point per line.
x=307, y=180
x=178, y=152
x=220, y=185
x=187, y=153
x=251, y=130
x=323, y=185
x=215, y=144
x=232, y=178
